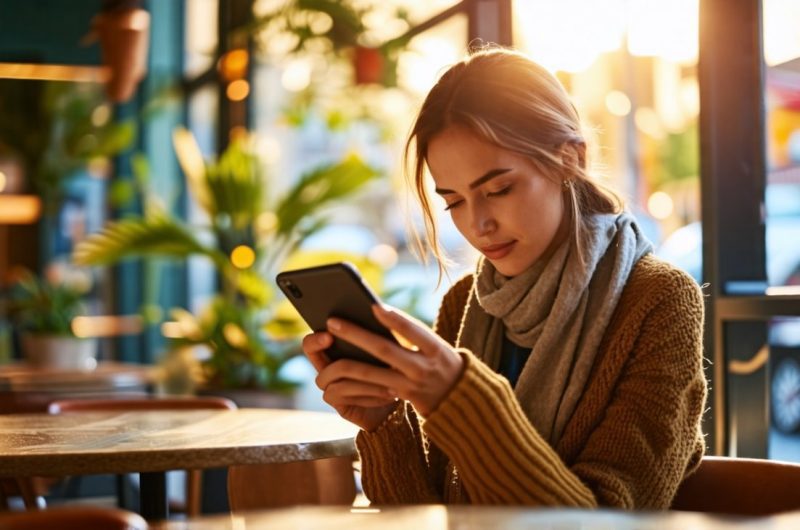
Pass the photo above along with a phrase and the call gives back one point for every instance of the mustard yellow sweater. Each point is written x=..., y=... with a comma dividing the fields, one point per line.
x=633, y=437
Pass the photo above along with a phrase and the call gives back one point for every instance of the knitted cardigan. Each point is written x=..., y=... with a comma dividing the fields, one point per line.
x=633, y=437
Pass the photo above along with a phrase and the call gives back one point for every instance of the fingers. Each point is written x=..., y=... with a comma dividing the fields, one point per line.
x=350, y=393
x=413, y=331
x=346, y=391
x=382, y=348
x=314, y=346
x=346, y=369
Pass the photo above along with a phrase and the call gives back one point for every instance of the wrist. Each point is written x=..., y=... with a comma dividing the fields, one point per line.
x=396, y=415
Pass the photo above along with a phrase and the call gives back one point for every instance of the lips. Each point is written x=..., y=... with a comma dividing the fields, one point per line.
x=498, y=251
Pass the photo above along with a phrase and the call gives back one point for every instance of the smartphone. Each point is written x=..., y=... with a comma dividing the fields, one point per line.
x=334, y=290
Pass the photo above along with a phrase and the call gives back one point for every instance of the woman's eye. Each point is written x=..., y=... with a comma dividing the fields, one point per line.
x=452, y=205
x=499, y=193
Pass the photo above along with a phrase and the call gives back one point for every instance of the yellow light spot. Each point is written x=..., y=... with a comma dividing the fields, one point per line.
x=233, y=65
x=243, y=257
x=660, y=205
x=3, y=181
x=238, y=90
x=618, y=103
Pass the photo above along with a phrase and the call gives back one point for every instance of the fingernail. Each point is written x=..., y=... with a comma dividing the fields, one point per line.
x=324, y=340
x=334, y=323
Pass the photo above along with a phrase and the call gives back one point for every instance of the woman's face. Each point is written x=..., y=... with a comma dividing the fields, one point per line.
x=498, y=200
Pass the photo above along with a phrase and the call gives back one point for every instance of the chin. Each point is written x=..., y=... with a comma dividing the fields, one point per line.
x=508, y=269
x=511, y=267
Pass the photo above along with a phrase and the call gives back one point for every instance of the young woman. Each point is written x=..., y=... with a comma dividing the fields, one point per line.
x=567, y=370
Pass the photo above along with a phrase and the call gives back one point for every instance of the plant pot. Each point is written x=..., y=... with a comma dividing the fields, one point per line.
x=59, y=352
x=124, y=39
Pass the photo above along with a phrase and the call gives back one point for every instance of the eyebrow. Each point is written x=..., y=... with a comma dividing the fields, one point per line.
x=486, y=177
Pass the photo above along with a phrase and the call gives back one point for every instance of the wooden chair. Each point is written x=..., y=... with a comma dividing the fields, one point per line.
x=194, y=477
x=73, y=518
x=740, y=486
x=327, y=481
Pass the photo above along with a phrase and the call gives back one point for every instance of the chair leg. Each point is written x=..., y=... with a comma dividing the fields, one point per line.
x=28, y=493
x=194, y=489
x=120, y=481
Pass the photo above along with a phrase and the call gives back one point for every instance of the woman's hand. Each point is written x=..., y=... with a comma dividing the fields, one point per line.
x=422, y=373
x=365, y=404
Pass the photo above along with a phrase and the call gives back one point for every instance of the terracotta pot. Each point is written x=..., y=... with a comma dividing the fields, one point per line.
x=124, y=38
x=368, y=65
x=58, y=352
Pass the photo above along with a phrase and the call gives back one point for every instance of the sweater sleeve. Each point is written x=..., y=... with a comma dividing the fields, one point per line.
x=634, y=458
x=394, y=465
x=398, y=464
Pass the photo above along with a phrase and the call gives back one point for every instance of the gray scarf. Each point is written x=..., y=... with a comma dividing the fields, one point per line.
x=560, y=308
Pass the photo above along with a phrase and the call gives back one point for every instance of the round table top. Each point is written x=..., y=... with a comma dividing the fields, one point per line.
x=437, y=517
x=23, y=377
x=141, y=441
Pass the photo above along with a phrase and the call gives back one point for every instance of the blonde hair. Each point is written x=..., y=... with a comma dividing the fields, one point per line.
x=508, y=100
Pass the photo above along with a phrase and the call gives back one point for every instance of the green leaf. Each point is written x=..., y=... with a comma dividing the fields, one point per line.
x=254, y=287
x=135, y=237
x=236, y=185
x=319, y=187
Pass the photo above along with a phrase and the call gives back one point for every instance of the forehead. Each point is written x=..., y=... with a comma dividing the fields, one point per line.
x=458, y=156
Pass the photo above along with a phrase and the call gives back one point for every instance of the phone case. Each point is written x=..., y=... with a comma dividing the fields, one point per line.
x=334, y=290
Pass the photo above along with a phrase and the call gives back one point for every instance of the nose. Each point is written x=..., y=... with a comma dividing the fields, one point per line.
x=483, y=221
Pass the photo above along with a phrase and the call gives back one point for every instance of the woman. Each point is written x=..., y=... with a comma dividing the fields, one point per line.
x=567, y=370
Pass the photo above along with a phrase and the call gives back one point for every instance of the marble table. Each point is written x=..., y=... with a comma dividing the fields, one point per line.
x=437, y=517
x=27, y=388
x=153, y=442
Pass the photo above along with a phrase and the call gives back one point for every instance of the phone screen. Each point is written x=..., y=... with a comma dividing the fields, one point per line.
x=335, y=290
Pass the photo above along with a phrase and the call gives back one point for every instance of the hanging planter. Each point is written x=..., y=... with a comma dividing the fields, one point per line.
x=124, y=39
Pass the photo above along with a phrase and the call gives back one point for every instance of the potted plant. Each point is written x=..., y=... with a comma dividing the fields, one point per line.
x=247, y=336
x=43, y=310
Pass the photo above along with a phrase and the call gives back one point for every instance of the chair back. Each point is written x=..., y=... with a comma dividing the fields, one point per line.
x=121, y=404
x=327, y=481
x=73, y=518
x=740, y=486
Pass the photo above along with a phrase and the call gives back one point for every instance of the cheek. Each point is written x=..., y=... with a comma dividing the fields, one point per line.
x=460, y=220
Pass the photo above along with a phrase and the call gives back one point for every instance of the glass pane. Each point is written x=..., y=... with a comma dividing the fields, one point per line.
x=782, y=199
x=784, y=389
x=202, y=111
x=201, y=35
x=631, y=68
x=307, y=111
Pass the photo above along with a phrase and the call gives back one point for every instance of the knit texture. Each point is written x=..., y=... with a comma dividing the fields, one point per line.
x=633, y=437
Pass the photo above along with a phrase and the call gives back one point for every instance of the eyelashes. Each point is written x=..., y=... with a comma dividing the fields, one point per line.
x=498, y=193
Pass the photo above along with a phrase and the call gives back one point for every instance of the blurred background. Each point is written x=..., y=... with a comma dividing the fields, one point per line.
x=163, y=159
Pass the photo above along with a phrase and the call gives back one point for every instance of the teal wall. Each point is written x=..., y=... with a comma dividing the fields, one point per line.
x=47, y=31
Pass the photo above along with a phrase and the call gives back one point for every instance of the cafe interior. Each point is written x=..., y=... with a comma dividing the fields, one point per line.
x=161, y=161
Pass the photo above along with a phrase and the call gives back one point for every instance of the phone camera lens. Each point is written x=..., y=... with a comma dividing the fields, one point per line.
x=293, y=289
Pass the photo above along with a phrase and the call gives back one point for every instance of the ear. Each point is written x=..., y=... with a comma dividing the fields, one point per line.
x=573, y=157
